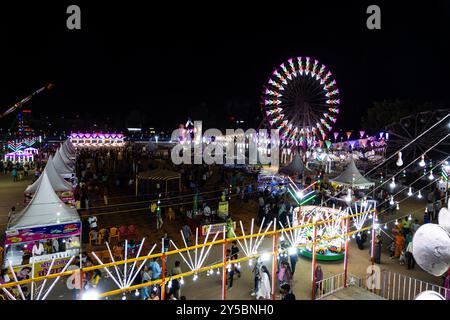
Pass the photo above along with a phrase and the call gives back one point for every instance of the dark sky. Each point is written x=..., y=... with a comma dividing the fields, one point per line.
x=167, y=60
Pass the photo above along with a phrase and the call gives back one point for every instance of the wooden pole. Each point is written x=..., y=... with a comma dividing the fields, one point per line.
x=313, y=266
x=347, y=240
x=274, y=260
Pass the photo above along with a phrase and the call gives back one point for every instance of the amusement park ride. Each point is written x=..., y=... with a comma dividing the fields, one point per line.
x=21, y=138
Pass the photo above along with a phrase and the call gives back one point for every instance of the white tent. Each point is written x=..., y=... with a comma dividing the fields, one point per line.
x=65, y=157
x=45, y=209
x=70, y=146
x=61, y=167
x=69, y=153
x=352, y=177
x=295, y=167
x=57, y=182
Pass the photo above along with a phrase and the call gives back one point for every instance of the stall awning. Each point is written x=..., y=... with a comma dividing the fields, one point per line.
x=44, y=209
x=352, y=177
x=295, y=167
x=57, y=182
x=159, y=175
x=60, y=166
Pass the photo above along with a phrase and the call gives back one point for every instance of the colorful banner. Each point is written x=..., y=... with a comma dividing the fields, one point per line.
x=42, y=233
x=215, y=228
x=40, y=268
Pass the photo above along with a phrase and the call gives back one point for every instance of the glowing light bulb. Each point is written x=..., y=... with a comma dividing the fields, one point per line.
x=419, y=195
x=422, y=161
x=169, y=284
x=299, y=194
x=281, y=238
x=136, y=293
x=391, y=202
x=410, y=191
x=385, y=227
x=250, y=262
x=409, y=218
x=195, y=277
x=398, y=207
x=368, y=232
x=399, y=162
x=396, y=222
x=124, y=297
x=181, y=281
x=218, y=272
x=353, y=236
x=370, y=216
x=431, y=176
x=392, y=184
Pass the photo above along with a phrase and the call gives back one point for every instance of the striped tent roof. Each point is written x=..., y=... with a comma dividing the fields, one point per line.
x=159, y=174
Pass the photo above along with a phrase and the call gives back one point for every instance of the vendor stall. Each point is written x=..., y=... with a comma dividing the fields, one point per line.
x=19, y=156
x=69, y=162
x=46, y=222
x=63, y=189
x=351, y=177
x=276, y=184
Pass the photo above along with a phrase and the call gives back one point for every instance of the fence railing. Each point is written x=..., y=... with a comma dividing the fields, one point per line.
x=397, y=286
x=329, y=285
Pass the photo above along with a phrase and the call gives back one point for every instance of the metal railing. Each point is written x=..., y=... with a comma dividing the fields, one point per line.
x=330, y=285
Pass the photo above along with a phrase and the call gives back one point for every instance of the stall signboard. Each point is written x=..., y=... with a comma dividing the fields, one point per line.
x=223, y=208
x=215, y=228
x=40, y=268
x=42, y=233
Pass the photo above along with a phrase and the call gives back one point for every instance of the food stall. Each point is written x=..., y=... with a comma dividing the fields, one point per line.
x=63, y=189
x=46, y=220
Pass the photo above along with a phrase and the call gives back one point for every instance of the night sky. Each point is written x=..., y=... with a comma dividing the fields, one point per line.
x=170, y=62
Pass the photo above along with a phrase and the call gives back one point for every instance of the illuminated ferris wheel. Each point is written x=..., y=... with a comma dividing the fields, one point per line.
x=301, y=99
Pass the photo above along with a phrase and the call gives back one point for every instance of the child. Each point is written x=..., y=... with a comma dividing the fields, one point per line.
x=402, y=259
x=392, y=249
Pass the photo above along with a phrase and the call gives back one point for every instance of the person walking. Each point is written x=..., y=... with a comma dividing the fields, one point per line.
x=285, y=291
x=318, y=278
x=293, y=258
x=399, y=244
x=176, y=285
x=409, y=256
x=235, y=256
x=264, y=287
x=187, y=234
x=14, y=174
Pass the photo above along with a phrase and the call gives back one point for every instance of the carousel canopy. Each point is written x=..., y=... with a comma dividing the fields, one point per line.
x=60, y=166
x=45, y=209
x=352, y=177
x=58, y=183
x=159, y=174
x=296, y=166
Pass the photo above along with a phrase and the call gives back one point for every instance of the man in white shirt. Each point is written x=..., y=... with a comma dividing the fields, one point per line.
x=38, y=249
x=409, y=256
x=207, y=213
x=92, y=220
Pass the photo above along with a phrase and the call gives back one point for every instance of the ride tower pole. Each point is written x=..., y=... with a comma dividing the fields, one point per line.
x=347, y=241
x=313, y=264
x=224, y=268
x=372, y=254
x=274, y=259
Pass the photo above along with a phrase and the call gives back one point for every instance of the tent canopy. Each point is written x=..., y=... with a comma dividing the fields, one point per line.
x=70, y=146
x=159, y=174
x=352, y=177
x=70, y=163
x=60, y=166
x=57, y=182
x=295, y=167
x=69, y=153
x=45, y=209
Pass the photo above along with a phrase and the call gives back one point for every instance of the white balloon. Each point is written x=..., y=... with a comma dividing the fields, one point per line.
x=431, y=248
x=444, y=219
x=429, y=295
